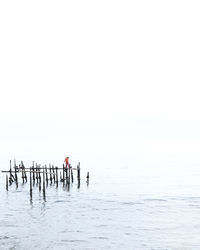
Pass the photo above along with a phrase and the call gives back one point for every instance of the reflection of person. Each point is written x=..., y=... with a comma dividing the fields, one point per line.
x=66, y=162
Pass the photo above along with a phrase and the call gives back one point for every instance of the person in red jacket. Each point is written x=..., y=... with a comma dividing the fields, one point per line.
x=66, y=162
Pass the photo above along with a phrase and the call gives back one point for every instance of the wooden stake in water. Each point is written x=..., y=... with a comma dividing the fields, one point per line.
x=16, y=179
x=78, y=175
x=78, y=172
x=46, y=174
x=39, y=180
x=39, y=168
x=87, y=177
x=30, y=183
x=72, y=178
x=10, y=178
x=63, y=175
x=67, y=178
x=43, y=184
x=56, y=176
x=33, y=173
x=50, y=173
x=7, y=182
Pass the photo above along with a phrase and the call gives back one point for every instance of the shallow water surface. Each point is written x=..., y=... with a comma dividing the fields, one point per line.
x=122, y=208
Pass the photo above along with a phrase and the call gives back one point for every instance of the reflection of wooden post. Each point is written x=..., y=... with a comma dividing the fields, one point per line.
x=7, y=182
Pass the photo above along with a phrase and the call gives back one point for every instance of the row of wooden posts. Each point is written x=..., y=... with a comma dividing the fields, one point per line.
x=42, y=176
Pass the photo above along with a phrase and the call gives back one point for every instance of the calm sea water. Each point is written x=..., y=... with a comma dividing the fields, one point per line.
x=122, y=208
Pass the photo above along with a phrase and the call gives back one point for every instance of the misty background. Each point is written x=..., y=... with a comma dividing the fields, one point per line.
x=103, y=82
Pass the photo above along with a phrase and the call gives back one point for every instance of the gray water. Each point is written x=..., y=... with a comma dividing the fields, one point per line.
x=122, y=208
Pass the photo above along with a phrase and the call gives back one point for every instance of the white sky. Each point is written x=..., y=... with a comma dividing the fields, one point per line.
x=99, y=78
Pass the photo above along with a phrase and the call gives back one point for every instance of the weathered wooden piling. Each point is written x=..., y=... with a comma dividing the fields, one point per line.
x=33, y=173
x=46, y=174
x=63, y=175
x=43, y=183
x=78, y=172
x=39, y=168
x=11, y=176
x=50, y=174
x=56, y=176
x=7, y=182
x=39, y=180
x=16, y=179
x=30, y=183
x=87, y=177
x=36, y=168
x=24, y=172
x=72, y=178
x=67, y=177
x=78, y=175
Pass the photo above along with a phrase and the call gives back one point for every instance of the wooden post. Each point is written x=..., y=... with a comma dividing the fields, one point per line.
x=39, y=179
x=36, y=173
x=39, y=168
x=46, y=174
x=16, y=179
x=69, y=174
x=50, y=173
x=56, y=176
x=7, y=182
x=23, y=167
x=78, y=172
x=30, y=183
x=78, y=175
x=33, y=173
x=87, y=177
x=43, y=183
x=72, y=178
x=67, y=178
x=63, y=175
x=10, y=178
